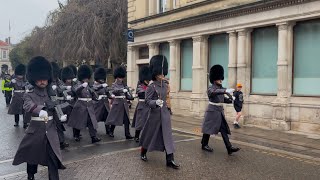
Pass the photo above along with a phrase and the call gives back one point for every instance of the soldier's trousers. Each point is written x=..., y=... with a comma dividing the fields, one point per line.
x=8, y=95
x=53, y=165
x=224, y=133
x=126, y=123
x=92, y=130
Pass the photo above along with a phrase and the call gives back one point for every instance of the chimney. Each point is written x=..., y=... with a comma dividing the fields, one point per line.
x=7, y=40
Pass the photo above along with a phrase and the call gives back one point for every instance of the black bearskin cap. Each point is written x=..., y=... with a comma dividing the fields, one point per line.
x=158, y=65
x=39, y=68
x=119, y=72
x=74, y=69
x=216, y=73
x=20, y=70
x=55, y=70
x=100, y=74
x=67, y=73
x=84, y=72
x=144, y=74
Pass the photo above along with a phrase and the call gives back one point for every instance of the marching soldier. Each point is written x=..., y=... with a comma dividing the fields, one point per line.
x=40, y=144
x=157, y=132
x=214, y=119
x=83, y=115
x=142, y=109
x=102, y=107
x=18, y=84
x=119, y=113
x=6, y=90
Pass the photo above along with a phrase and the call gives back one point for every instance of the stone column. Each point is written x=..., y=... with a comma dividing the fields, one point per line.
x=169, y=5
x=174, y=59
x=132, y=68
x=153, y=49
x=200, y=56
x=232, y=65
x=241, y=56
x=152, y=7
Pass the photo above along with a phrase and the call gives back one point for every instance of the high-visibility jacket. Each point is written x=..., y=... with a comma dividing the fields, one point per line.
x=5, y=88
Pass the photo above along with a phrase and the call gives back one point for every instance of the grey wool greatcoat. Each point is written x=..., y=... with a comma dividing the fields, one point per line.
x=214, y=115
x=142, y=109
x=120, y=107
x=101, y=106
x=16, y=105
x=83, y=111
x=157, y=132
x=33, y=147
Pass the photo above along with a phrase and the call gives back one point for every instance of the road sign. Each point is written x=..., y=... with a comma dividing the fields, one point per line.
x=130, y=35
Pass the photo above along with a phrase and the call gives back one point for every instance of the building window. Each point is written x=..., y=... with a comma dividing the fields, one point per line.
x=186, y=65
x=164, y=49
x=4, y=54
x=144, y=52
x=162, y=5
x=219, y=54
x=306, y=73
x=264, y=61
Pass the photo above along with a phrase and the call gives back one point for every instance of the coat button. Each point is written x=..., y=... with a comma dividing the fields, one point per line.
x=46, y=132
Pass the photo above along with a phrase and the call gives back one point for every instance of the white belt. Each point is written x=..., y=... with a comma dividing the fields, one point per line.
x=85, y=99
x=59, y=98
x=41, y=119
x=19, y=91
x=142, y=100
x=215, y=104
x=119, y=97
x=102, y=96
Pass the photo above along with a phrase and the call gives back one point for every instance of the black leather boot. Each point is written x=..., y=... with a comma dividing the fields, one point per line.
x=129, y=137
x=64, y=145
x=137, y=135
x=207, y=148
x=170, y=162
x=25, y=126
x=143, y=155
x=232, y=150
x=30, y=176
x=107, y=129
x=95, y=139
x=16, y=120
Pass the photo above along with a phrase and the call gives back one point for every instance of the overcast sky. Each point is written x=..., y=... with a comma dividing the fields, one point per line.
x=23, y=15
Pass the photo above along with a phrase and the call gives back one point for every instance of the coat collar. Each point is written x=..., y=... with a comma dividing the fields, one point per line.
x=41, y=92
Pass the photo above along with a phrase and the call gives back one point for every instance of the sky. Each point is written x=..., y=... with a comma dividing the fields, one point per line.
x=23, y=15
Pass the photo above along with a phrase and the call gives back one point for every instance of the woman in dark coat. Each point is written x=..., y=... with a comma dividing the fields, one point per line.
x=18, y=84
x=142, y=109
x=157, y=132
x=101, y=106
x=119, y=113
x=83, y=115
x=40, y=145
x=214, y=118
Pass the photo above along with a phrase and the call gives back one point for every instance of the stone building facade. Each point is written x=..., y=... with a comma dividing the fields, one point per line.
x=271, y=47
x=5, y=49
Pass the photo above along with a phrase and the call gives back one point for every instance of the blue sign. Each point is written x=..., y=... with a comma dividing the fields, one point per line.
x=130, y=35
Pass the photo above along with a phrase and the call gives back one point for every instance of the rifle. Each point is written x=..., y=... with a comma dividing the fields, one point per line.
x=53, y=104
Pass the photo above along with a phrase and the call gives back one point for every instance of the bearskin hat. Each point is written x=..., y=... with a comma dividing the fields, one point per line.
x=55, y=70
x=84, y=72
x=100, y=74
x=20, y=70
x=67, y=73
x=39, y=68
x=74, y=69
x=144, y=74
x=158, y=65
x=216, y=73
x=119, y=72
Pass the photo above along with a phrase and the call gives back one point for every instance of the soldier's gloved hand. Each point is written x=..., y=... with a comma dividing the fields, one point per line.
x=27, y=90
x=54, y=87
x=105, y=85
x=43, y=114
x=125, y=90
x=159, y=102
x=113, y=96
x=230, y=91
x=74, y=79
x=63, y=118
x=85, y=84
x=69, y=98
x=68, y=88
x=13, y=81
x=234, y=98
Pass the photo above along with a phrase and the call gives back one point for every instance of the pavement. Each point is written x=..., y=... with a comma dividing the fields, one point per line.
x=265, y=154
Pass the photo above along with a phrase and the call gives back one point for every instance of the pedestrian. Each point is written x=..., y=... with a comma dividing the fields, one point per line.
x=119, y=112
x=214, y=118
x=18, y=84
x=40, y=145
x=6, y=89
x=83, y=115
x=142, y=109
x=237, y=104
x=102, y=106
x=156, y=134
x=57, y=96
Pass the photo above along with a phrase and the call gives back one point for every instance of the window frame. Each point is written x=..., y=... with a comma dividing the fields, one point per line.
x=180, y=79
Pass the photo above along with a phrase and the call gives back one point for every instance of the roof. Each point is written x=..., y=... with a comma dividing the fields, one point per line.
x=2, y=43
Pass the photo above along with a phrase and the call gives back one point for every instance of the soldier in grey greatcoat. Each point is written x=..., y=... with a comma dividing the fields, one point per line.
x=119, y=113
x=102, y=107
x=142, y=109
x=40, y=144
x=83, y=115
x=214, y=118
x=18, y=84
x=156, y=134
